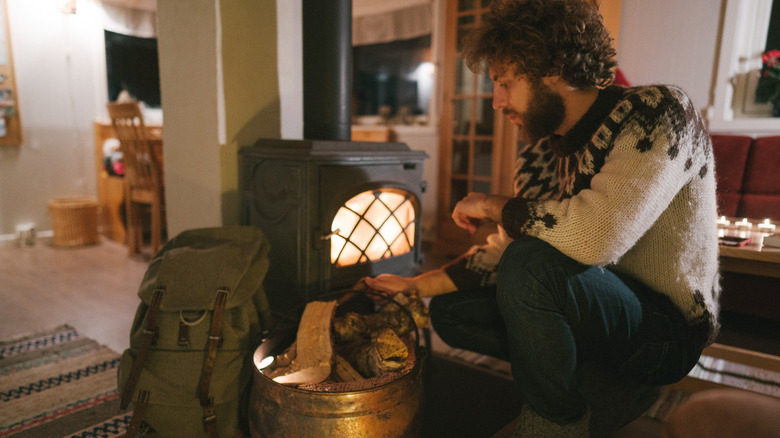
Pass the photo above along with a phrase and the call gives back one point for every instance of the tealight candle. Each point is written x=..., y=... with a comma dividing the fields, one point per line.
x=743, y=224
x=766, y=227
x=723, y=222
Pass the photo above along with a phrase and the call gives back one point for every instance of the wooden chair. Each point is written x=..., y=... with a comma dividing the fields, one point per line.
x=143, y=180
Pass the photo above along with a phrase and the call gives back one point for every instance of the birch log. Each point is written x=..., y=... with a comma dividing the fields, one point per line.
x=314, y=347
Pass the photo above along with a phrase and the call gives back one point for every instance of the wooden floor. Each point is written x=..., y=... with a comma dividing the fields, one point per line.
x=94, y=289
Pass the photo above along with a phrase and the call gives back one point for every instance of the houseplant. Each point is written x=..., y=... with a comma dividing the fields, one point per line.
x=768, y=89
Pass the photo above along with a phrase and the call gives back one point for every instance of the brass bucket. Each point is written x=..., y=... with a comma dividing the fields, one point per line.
x=389, y=410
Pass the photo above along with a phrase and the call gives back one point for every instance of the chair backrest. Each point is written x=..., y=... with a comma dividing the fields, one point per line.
x=141, y=166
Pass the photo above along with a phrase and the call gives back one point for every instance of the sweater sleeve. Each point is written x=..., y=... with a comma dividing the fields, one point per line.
x=535, y=178
x=650, y=147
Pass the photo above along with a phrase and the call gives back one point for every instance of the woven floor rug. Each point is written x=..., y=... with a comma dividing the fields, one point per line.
x=57, y=383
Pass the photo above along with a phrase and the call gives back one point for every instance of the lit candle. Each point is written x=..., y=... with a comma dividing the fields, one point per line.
x=723, y=222
x=743, y=224
x=766, y=227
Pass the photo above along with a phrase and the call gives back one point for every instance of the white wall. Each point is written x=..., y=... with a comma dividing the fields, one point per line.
x=55, y=64
x=671, y=42
x=290, y=57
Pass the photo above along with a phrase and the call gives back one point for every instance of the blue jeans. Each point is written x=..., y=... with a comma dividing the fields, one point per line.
x=549, y=314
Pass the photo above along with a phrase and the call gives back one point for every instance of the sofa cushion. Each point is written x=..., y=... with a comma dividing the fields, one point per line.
x=761, y=183
x=759, y=206
x=761, y=173
x=731, y=154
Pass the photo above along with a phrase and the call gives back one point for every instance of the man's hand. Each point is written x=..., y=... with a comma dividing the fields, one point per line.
x=386, y=284
x=427, y=284
x=478, y=208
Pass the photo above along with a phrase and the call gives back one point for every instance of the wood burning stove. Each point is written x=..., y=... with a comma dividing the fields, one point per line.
x=333, y=211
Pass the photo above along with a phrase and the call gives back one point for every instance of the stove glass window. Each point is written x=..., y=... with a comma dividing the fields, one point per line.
x=373, y=225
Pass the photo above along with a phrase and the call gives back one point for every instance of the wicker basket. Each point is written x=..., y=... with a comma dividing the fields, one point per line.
x=75, y=221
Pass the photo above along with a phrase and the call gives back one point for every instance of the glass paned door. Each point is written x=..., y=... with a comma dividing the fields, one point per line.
x=472, y=138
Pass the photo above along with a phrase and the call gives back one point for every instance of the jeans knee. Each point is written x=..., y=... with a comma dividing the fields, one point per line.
x=531, y=273
x=525, y=248
x=516, y=267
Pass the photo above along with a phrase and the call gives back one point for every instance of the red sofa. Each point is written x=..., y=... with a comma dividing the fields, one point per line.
x=748, y=176
x=747, y=170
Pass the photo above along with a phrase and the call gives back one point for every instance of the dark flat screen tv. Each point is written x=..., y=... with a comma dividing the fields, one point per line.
x=132, y=64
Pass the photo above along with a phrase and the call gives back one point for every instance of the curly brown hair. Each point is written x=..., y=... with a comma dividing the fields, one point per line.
x=543, y=37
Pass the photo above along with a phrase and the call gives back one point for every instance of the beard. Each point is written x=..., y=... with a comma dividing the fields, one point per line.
x=544, y=114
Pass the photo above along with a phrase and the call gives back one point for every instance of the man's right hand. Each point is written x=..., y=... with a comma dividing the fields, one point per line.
x=386, y=284
x=428, y=284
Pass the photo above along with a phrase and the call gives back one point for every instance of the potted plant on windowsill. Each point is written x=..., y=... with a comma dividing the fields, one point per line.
x=768, y=89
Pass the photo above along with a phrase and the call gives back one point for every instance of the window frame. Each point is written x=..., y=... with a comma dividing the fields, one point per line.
x=743, y=38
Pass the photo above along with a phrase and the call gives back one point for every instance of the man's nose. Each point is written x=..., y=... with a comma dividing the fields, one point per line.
x=499, y=98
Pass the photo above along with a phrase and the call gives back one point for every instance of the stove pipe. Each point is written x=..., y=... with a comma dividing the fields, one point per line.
x=327, y=69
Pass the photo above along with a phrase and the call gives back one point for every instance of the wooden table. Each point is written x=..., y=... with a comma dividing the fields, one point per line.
x=753, y=258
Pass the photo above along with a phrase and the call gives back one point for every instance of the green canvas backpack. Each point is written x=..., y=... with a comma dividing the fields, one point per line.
x=203, y=311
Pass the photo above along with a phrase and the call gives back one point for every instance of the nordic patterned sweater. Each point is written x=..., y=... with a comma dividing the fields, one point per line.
x=630, y=187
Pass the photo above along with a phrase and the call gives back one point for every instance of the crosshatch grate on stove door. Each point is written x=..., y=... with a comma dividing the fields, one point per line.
x=373, y=225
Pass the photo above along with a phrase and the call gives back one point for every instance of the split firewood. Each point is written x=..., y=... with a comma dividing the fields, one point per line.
x=344, y=372
x=414, y=305
x=313, y=347
x=385, y=352
x=354, y=327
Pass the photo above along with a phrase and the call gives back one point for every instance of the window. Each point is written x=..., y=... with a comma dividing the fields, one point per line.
x=393, y=79
x=749, y=28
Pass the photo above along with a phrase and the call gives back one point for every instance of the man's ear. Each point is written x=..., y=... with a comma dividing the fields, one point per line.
x=551, y=80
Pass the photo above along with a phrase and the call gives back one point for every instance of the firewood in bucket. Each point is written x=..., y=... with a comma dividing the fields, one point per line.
x=344, y=372
x=412, y=302
x=384, y=352
x=313, y=355
x=364, y=345
x=354, y=327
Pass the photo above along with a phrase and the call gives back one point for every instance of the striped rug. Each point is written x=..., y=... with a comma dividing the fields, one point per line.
x=57, y=383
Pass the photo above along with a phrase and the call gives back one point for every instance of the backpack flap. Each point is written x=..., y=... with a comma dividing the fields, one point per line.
x=197, y=263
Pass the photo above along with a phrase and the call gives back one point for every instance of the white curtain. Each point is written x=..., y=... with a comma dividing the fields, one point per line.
x=376, y=22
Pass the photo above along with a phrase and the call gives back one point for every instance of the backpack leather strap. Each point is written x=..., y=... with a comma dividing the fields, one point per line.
x=215, y=334
x=210, y=419
x=150, y=336
x=138, y=414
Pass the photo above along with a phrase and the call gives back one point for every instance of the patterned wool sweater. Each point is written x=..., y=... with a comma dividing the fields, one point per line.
x=630, y=187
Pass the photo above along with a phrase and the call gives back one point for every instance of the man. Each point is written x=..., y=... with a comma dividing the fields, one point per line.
x=613, y=265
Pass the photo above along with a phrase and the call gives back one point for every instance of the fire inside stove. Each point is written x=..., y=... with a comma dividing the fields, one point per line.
x=371, y=226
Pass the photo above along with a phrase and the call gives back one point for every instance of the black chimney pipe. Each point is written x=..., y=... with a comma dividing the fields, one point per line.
x=327, y=69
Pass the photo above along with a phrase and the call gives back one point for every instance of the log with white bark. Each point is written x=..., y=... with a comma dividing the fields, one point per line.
x=313, y=347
